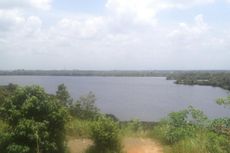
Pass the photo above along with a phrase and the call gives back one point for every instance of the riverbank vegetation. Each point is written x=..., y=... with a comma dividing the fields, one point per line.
x=32, y=121
x=190, y=131
x=212, y=78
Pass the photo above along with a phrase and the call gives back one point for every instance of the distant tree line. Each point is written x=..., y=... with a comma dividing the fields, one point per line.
x=144, y=73
x=214, y=78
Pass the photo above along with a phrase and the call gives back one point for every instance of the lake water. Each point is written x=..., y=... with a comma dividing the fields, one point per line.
x=145, y=98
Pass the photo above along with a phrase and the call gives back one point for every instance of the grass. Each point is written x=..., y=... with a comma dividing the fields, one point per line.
x=203, y=141
x=79, y=128
x=190, y=138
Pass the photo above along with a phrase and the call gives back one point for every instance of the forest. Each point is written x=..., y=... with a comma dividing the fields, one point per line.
x=211, y=78
x=33, y=121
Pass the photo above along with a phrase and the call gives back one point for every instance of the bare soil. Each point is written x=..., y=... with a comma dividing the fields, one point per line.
x=141, y=145
x=79, y=145
x=131, y=145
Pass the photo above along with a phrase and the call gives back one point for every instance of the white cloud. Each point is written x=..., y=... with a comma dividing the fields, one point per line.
x=145, y=11
x=186, y=4
x=139, y=11
x=193, y=31
x=16, y=4
x=41, y=4
x=81, y=28
x=191, y=37
x=10, y=19
x=127, y=37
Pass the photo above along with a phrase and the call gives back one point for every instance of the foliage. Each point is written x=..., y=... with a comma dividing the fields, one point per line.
x=63, y=96
x=36, y=122
x=105, y=134
x=3, y=126
x=189, y=131
x=189, y=145
x=113, y=117
x=6, y=91
x=134, y=128
x=221, y=126
x=218, y=143
x=85, y=108
x=212, y=78
x=79, y=128
x=183, y=124
x=224, y=101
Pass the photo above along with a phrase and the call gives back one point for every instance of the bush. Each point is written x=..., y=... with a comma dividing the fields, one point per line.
x=221, y=126
x=218, y=143
x=178, y=127
x=189, y=145
x=105, y=134
x=79, y=128
x=134, y=128
x=188, y=131
x=35, y=122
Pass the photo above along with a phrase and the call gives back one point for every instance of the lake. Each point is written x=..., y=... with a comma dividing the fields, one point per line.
x=145, y=98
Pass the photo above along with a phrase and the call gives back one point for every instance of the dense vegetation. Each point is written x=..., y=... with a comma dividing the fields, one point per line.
x=189, y=131
x=32, y=121
x=215, y=78
x=31, y=118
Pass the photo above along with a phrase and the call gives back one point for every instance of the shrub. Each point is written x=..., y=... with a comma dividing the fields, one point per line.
x=218, y=143
x=189, y=145
x=221, y=126
x=188, y=131
x=105, y=134
x=178, y=127
x=133, y=128
x=79, y=128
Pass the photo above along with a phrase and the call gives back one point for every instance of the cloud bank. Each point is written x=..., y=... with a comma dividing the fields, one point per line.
x=129, y=35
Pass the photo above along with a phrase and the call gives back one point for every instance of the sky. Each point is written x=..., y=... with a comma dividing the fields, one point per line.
x=115, y=34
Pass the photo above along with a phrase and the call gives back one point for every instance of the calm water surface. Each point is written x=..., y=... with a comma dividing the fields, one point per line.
x=146, y=98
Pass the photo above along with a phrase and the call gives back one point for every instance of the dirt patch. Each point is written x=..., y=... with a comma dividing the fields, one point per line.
x=141, y=145
x=79, y=145
x=131, y=145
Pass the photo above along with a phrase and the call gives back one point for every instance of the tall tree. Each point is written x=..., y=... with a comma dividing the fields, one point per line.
x=64, y=96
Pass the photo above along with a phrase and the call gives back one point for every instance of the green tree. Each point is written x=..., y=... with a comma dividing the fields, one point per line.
x=64, y=96
x=85, y=107
x=35, y=122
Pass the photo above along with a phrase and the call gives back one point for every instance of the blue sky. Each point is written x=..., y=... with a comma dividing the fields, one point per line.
x=115, y=34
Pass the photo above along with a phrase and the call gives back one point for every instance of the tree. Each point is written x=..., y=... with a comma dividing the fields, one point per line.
x=64, y=96
x=85, y=107
x=36, y=122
